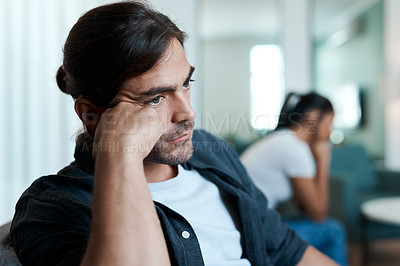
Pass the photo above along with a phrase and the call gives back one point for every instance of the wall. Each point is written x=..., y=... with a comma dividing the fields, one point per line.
x=359, y=60
x=38, y=121
x=185, y=13
x=226, y=93
x=391, y=91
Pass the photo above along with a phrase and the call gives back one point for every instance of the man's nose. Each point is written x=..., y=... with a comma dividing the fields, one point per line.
x=182, y=109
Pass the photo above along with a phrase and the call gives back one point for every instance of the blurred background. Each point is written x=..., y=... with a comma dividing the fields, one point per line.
x=248, y=55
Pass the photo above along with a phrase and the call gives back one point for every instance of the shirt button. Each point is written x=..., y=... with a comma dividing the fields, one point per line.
x=185, y=234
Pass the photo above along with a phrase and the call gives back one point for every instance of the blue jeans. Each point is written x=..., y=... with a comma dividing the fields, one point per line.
x=327, y=236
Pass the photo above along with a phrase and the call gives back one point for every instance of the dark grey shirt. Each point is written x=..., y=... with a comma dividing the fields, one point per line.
x=51, y=225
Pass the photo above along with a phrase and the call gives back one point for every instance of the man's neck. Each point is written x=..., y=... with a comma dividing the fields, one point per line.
x=156, y=172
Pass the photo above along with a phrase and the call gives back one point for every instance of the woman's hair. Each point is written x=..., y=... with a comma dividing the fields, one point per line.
x=111, y=44
x=297, y=105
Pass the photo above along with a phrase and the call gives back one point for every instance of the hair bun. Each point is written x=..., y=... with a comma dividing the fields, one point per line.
x=61, y=80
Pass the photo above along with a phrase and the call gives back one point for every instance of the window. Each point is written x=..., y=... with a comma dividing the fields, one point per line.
x=267, y=86
x=347, y=103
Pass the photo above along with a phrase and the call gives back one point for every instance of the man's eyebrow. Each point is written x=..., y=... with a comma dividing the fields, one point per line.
x=162, y=89
x=192, y=69
x=156, y=90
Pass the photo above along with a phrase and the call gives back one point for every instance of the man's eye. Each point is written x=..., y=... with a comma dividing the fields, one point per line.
x=155, y=100
x=186, y=85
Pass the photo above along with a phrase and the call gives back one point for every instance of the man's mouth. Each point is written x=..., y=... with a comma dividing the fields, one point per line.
x=183, y=132
x=182, y=138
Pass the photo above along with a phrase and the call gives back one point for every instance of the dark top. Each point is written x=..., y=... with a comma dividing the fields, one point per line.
x=51, y=225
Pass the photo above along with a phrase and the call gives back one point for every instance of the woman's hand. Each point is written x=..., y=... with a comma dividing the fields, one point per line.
x=321, y=150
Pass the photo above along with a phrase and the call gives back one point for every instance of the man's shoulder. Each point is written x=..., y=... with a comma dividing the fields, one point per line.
x=70, y=184
x=201, y=134
x=205, y=142
x=211, y=152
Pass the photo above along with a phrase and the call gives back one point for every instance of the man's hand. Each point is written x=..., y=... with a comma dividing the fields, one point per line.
x=127, y=128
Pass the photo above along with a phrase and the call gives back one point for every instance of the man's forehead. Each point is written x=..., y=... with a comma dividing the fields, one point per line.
x=157, y=80
x=172, y=70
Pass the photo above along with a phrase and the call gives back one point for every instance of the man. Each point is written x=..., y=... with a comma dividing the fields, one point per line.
x=145, y=188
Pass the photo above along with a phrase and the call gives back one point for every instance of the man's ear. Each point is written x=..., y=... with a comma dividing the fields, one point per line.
x=88, y=112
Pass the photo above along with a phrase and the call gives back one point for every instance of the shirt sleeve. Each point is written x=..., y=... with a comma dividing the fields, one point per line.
x=50, y=231
x=300, y=161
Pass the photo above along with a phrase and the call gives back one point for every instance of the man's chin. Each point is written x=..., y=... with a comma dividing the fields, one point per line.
x=178, y=154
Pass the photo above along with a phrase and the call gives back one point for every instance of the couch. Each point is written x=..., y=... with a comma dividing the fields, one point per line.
x=8, y=256
x=355, y=179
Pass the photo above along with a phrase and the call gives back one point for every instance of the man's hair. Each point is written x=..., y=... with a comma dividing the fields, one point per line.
x=111, y=44
x=297, y=105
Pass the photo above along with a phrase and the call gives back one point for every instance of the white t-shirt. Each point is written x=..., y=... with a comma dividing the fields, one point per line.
x=271, y=161
x=199, y=202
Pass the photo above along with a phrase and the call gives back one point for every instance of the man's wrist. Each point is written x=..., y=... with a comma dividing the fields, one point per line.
x=113, y=154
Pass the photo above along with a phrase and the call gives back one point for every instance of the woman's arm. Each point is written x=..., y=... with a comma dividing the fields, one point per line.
x=312, y=194
x=313, y=257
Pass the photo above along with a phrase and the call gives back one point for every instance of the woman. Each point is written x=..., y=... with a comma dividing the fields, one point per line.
x=293, y=163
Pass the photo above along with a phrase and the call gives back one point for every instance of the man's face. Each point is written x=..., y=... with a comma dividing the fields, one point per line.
x=166, y=88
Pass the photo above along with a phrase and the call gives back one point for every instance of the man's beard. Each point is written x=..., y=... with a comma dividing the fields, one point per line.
x=173, y=153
